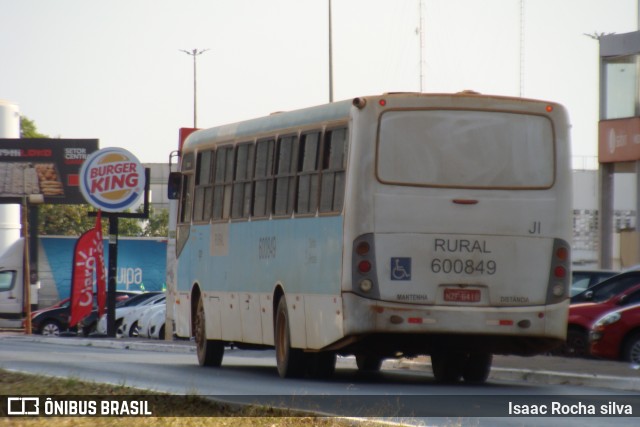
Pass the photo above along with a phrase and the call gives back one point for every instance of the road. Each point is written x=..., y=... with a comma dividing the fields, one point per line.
x=403, y=394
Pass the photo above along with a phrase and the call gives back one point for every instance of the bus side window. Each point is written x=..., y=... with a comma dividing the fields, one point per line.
x=185, y=200
x=204, y=190
x=241, y=197
x=333, y=166
x=222, y=182
x=263, y=187
x=285, y=170
x=307, y=200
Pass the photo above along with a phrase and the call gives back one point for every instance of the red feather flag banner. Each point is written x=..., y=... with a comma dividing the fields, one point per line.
x=88, y=267
x=101, y=273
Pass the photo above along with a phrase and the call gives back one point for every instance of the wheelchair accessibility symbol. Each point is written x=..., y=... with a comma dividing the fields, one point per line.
x=400, y=268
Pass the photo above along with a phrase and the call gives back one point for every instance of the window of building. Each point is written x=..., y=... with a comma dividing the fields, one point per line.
x=621, y=87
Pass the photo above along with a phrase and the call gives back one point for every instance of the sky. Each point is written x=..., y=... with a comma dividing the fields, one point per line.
x=114, y=70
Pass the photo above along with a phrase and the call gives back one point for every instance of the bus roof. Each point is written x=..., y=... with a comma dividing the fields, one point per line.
x=274, y=122
x=281, y=121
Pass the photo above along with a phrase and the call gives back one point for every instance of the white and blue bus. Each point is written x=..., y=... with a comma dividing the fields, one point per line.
x=387, y=226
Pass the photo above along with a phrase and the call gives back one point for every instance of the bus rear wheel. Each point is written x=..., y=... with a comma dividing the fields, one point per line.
x=210, y=352
x=477, y=368
x=321, y=365
x=291, y=361
x=451, y=367
x=368, y=362
x=447, y=367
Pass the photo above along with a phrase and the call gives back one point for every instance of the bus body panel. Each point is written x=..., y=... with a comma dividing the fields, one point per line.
x=456, y=240
x=238, y=265
x=484, y=270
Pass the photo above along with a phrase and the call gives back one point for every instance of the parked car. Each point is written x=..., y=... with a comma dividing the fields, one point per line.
x=608, y=288
x=151, y=321
x=585, y=279
x=616, y=335
x=122, y=308
x=582, y=315
x=129, y=324
x=54, y=320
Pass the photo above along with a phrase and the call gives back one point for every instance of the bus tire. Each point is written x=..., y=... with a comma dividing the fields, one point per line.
x=477, y=368
x=210, y=352
x=447, y=367
x=368, y=362
x=291, y=361
x=321, y=365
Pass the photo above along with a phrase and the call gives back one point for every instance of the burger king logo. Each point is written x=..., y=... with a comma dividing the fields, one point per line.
x=112, y=179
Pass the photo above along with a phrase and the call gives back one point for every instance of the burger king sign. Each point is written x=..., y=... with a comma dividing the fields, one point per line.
x=112, y=179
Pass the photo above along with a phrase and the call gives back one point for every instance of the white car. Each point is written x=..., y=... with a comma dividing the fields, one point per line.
x=156, y=324
x=145, y=319
x=129, y=325
x=123, y=307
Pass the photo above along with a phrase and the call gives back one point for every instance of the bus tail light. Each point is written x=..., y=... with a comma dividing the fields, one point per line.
x=363, y=275
x=364, y=266
x=559, y=277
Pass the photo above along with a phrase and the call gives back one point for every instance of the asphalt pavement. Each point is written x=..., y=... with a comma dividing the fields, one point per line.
x=535, y=369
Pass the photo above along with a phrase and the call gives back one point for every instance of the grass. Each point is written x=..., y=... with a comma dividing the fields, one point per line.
x=19, y=384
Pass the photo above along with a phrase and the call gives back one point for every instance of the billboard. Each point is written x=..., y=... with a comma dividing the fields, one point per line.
x=141, y=263
x=49, y=167
x=619, y=140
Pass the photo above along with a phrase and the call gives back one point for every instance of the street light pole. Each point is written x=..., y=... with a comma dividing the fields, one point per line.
x=194, y=53
x=331, y=54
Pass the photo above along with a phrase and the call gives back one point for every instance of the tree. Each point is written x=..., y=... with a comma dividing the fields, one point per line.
x=28, y=129
x=73, y=220
x=65, y=220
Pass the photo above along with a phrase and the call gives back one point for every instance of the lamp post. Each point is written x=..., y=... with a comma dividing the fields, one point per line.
x=194, y=53
x=330, y=54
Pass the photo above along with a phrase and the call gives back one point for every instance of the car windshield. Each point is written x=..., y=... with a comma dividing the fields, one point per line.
x=137, y=299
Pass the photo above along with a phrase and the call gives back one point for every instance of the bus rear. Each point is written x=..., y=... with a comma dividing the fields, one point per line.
x=458, y=225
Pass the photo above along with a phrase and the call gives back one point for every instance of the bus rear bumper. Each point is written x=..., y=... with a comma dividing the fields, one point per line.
x=506, y=330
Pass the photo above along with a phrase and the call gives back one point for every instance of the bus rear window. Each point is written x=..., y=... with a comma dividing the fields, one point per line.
x=465, y=149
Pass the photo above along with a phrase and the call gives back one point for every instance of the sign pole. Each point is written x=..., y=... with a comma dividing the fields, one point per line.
x=26, y=271
x=112, y=274
x=112, y=180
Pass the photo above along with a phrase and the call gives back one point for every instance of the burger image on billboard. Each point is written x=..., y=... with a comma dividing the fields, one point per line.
x=112, y=179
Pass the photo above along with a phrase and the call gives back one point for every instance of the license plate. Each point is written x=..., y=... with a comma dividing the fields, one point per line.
x=462, y=295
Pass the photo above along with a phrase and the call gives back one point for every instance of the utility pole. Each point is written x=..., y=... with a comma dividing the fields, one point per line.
x=194, y=53
x=420, y=32
x=330, y=56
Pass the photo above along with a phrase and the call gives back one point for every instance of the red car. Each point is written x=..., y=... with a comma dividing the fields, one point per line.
x=616, y=335
x=582, y=315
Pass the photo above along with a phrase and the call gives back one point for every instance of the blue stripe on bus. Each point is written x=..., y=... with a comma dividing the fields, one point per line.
x=303, y=254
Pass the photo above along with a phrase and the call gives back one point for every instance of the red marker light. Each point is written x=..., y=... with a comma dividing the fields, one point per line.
x=362, y=248
x=364, y=266
x=562, y=253
x=382, y=102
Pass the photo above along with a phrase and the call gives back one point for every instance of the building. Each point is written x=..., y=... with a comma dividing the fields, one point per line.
x=619, y=143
